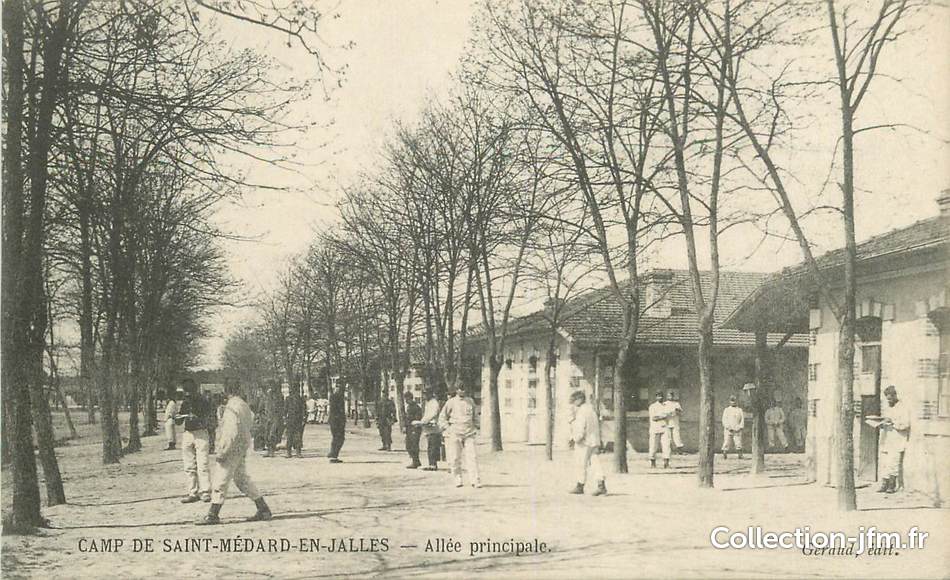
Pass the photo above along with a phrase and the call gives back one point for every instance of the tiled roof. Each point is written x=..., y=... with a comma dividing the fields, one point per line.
x=782, y=299
x=595, y=317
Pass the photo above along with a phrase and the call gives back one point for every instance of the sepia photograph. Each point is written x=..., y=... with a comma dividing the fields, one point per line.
x=475, y=289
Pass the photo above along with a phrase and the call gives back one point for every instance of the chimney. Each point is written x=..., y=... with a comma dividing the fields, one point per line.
x=658, y=303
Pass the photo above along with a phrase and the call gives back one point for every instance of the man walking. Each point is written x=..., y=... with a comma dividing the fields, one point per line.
x=385, y=417
x=585, y=435
x=775, y=422
x=659, y=430
x=675, y=409
x=295, y=418
x=233, y=443
x=430, y=427
x=413, y=430
x=171, y=409
x=194, y=415
x=273, y=418
x=895, y=434
x=733, y=421
x=337, y=420
x=458, y=424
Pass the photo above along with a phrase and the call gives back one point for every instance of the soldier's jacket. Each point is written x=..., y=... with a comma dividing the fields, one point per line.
x=295, y=412
x=385, y=412
x=234, y=431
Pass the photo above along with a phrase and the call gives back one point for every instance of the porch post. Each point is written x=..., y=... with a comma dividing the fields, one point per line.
x=759, y=398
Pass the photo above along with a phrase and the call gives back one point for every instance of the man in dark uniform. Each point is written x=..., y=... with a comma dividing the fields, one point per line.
x=273, y=417
x=337, y=420
x=413, y=430
x=295, y=418
x=195, y=416
x=385, y=417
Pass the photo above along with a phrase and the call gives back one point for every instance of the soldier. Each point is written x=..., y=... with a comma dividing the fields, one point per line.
x=585, y=436
x=430, y=427
x=798, y=419
x=775, y=422
x=233, y=444
x=194, y=415
x=733, y=421
x=659, y=430
x=337, y=419
x=171, y=409
x=385, y=417
x=413, y=430
x=273, y=418
x=895, y=433
x=673, y=406
x=295, y=418
x=458, y=423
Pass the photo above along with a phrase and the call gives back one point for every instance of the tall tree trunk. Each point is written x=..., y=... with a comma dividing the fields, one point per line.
x=16, y=388
x=759, y=399
x=495, y=363
x=46, y=441
x=707, y=431
x=550, y=393
x=623, y=383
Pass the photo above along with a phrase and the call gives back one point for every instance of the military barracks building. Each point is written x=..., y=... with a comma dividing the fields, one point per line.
x=667, y=342
x=902, y=339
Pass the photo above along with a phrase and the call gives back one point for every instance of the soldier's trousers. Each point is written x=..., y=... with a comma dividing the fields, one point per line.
x=434, y=451
x=338, y=434
x=225, y=472
x=194, y=455
x=294, y=439
x=386, y=435
x=412, y=445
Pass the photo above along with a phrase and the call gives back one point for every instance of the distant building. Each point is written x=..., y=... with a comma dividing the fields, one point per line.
x=586, y=351
x=902, y=339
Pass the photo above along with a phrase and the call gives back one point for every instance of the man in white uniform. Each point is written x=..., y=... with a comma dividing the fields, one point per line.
x=585, y=434
x=234, y=441
x=775, y=421
x=458, y=424
x=675, y=409
x=895, y=433
x=171, y=409
x=733, y=421
x=659, y=430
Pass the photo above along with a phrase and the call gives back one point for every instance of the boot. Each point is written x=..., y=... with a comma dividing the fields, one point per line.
x=289, y=453
x=578, y=489
x=601, y=488
x=666, y=464
x=653, y=463
x=885, y=485
x=190, y=499
x=458, y=481
x=740, y=455
x=170, y=447
x=892, y=485
x=263, y=512
x=299, y=454
x=212, y=516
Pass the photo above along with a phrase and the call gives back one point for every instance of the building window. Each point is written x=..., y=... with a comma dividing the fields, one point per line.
x=533, y=364
x=508, y=364
x=943, y=372
x=813, y=337
x=532, y=402
x=813, y=372
x=870, y=359
x=507, y=402
x=507, y=384
x=532, y=384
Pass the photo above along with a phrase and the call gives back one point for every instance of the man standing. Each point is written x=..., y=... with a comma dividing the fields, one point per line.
x=798, y=419
x=273, y=417
x=430, y=427
x=311, y=409
x=659, y=430
x=675, y=410
x=194, y=415
x=775, y=422
x=171, y=409
x=733, y=421
x=233, y=444
x=337, y=420
x=385, y=417
x=295, y=418
x=585, y=435
x=895, y=433
x=458, y=424
x=413, y=430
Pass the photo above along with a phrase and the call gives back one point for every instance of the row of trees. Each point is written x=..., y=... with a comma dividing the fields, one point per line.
x=119, y=118
x=586, y=133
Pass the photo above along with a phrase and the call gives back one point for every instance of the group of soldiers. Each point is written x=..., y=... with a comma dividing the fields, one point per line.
x=665, y=433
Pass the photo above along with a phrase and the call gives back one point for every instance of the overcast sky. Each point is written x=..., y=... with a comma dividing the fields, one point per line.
x=404, y=52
